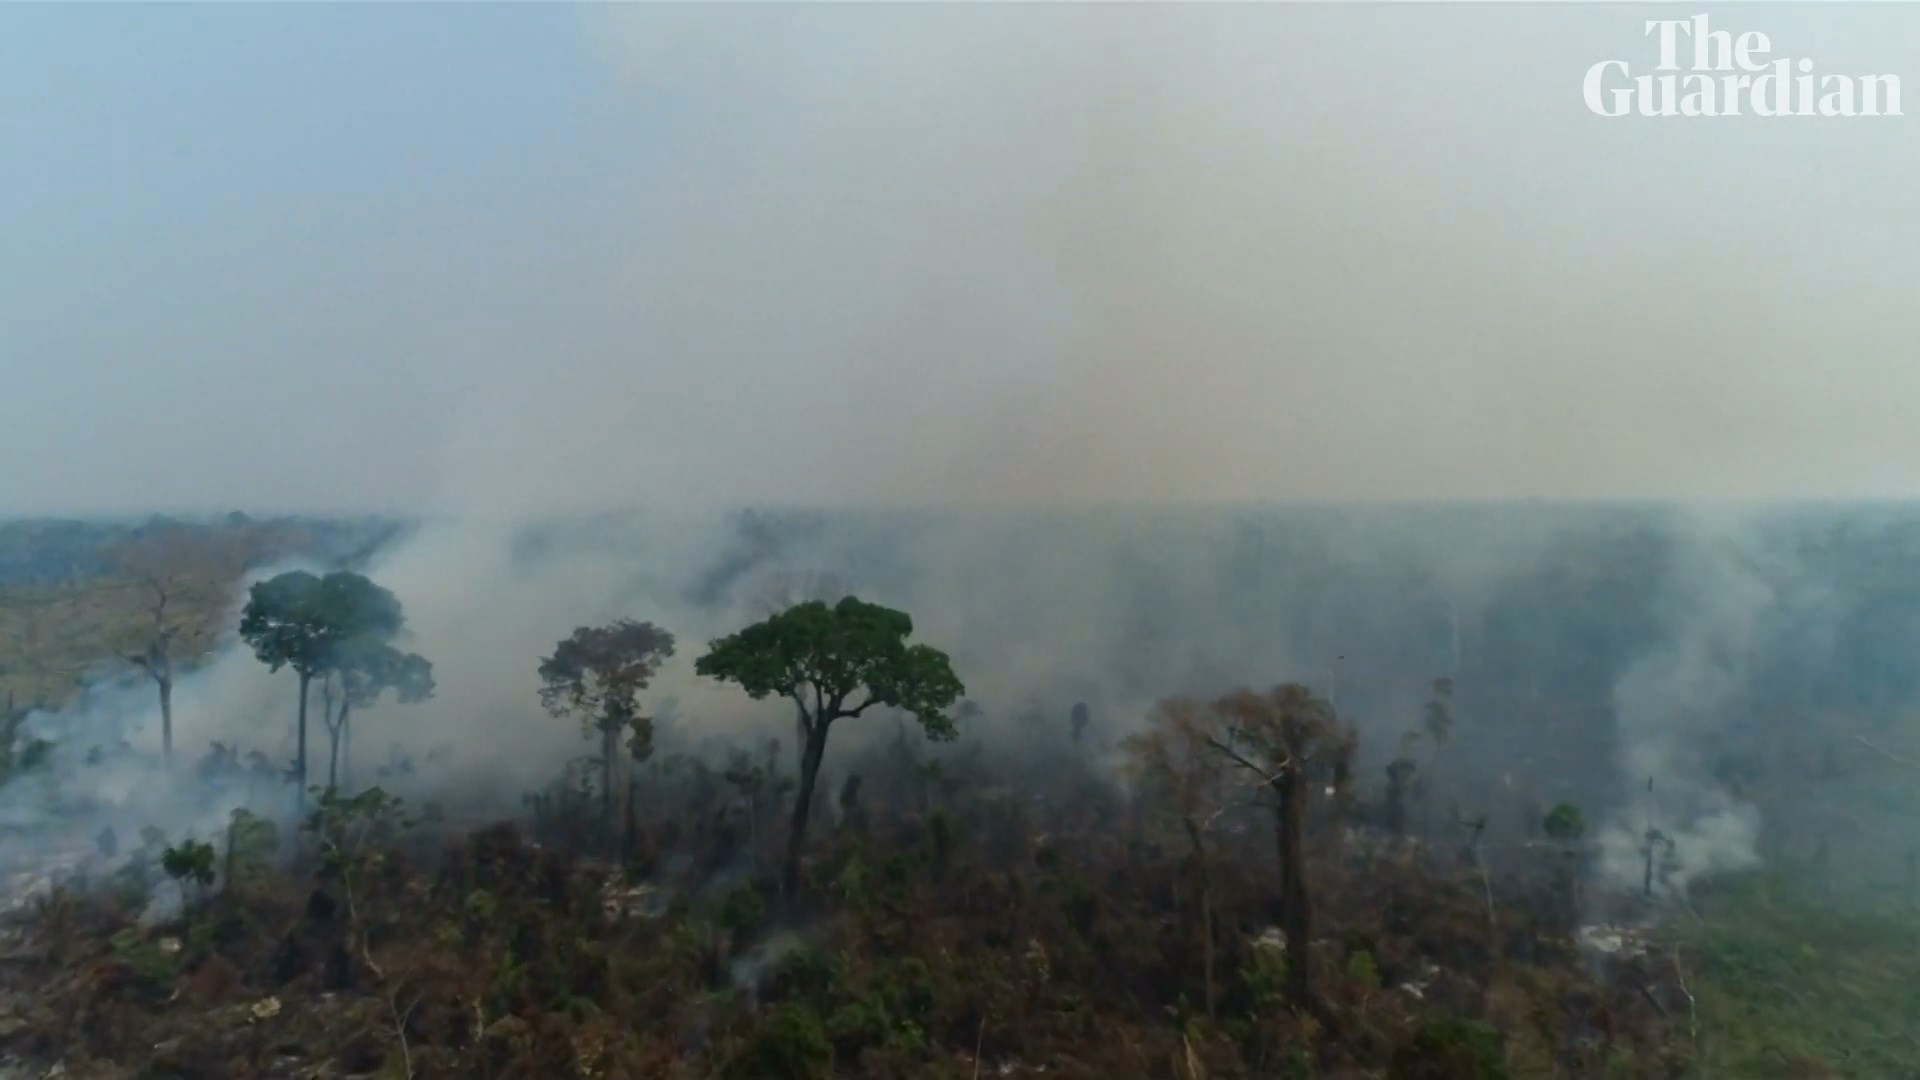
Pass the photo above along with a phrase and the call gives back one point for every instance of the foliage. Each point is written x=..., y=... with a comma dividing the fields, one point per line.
x=791, y=1045
x=1362, y=971
x=189, y=861
x=1451, y=1048
x=1789, y=983
x=904, y=973
x=1564, y=823
x=336, y=627
x=252, y=841
x=352, y=830
x=1175, y=761
x=597, y=675
x=152, y=968
x=367, y=668
x=299, y=620
x=822, y=657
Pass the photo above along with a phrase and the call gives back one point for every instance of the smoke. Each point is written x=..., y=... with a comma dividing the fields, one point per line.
x=1694, y=618
x=1047, y=255
x=1717, y=604
x=1739, y=607
x=1055, y=258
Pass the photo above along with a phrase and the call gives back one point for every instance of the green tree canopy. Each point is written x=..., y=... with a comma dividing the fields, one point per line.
x=319, y=626
x=300, y=620
x=597, y=675
x=832, y=663
x=839, y=661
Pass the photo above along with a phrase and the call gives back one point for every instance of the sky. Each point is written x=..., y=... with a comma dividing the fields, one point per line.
x=518, y=259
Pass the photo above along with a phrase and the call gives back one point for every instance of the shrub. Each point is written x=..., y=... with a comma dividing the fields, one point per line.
x=1450, y=1048
x=790, y=1045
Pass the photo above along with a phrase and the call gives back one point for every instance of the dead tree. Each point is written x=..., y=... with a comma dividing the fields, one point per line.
x=1176, y=766
x=185, y=573
x=1279, y=737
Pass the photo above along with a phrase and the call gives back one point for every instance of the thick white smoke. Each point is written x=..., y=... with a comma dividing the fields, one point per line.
x=1722, y=601
x=1049, y=255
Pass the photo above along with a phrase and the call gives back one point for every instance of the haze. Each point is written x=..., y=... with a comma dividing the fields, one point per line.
x=532, y=258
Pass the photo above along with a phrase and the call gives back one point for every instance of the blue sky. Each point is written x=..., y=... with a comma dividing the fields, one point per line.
x=248, y=191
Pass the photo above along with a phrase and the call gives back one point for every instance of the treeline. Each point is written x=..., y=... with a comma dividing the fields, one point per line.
x=41, y=552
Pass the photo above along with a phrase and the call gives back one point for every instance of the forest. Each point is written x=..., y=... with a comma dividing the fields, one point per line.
x=1417, y=792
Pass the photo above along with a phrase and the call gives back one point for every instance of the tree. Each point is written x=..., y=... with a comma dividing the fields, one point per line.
x=1279, y=736
x=596, y=676
x=1438, y=716
x=1400, y=773
x=304, y=622
x=186, y=575
x=1565, y=826
x=1174, y=760
x=357, y=674
x=190, y=861
x=834, y=663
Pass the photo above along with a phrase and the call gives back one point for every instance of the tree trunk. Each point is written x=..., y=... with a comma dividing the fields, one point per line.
x=609, y=743
x=1296, y=920
x=1453, y=636
x=346, y=753
x=166, y=715
x=1206, y=910
x=814, y=749
x=334, y=734
x=300, y=759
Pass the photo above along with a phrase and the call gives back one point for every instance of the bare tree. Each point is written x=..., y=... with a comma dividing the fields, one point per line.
x=1279, y=737
x=1174, y=762
x=185, y=574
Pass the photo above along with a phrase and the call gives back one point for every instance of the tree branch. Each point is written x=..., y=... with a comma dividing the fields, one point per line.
x=1693, y=1012
x=1258, y=770
x=1886, y=753
x=400, y=1027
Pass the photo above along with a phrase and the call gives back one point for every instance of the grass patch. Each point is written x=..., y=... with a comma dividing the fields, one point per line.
x=1791, y=983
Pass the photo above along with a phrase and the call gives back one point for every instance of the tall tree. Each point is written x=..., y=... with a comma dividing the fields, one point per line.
x=1280, y=737
x=300, y=621
x=356, y=675
x=834, y=663
x=596, y=675
x=1175, y=762
x=186, y=575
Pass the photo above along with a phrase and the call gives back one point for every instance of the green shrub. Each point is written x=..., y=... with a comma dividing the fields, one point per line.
x=1564, y=823
x=152, y=968
x=789, y=1045
x=1362, y=970
x=742, y=911
x=1450, y=1048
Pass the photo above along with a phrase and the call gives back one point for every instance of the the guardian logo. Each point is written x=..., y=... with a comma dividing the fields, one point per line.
x=1730, y=75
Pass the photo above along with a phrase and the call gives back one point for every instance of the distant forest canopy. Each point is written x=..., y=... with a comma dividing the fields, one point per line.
x=1553, y=601
x=55, y=551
